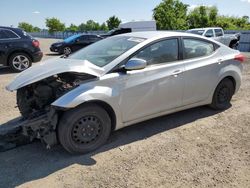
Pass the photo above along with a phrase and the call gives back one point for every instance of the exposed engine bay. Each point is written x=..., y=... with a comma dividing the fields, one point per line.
x=34, y=102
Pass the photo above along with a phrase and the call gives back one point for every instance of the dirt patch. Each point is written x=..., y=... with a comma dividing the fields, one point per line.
x=194, y=148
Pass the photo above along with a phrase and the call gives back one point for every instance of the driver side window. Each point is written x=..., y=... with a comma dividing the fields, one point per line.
x=160, y=52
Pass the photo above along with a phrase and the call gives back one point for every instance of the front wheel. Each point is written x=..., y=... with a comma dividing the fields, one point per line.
x=84, y=128
x=67, y=50
x=223, y=95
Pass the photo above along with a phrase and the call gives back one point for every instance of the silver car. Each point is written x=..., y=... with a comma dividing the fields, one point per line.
x=122, y=80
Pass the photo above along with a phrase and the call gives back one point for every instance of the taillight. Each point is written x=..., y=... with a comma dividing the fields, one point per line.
x=240, y=57
x=35, y=43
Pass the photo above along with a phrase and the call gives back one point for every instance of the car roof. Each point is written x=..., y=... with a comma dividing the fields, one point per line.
x=205, y=28
x=158, y=34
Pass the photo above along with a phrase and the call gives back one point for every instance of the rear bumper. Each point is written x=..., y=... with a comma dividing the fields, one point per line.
x=37, y=56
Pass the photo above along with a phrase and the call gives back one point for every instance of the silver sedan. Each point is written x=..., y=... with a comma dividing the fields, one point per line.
x=122, y=80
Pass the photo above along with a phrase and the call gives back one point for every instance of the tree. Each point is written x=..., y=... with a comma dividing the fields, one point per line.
x=82, y=27
x=72, y=27
x=203, y=16
x=113, y=22
x=25, y=26
x=91, y=25
x=54, y=25
x=171, y=15
x=104, y=27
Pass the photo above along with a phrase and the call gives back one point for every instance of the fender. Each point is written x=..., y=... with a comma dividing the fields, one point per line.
x=89, y=92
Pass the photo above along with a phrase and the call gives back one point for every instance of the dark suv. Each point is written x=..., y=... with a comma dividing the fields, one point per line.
x=18, y=49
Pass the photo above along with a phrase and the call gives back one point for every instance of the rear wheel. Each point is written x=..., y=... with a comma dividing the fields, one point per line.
x=223, y=95
x=84, y=129
x=19, y=62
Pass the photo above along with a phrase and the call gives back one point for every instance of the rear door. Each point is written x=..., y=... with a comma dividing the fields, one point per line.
x=219, y=35
x=201, y=69
x=2, y=47
x=8, y=40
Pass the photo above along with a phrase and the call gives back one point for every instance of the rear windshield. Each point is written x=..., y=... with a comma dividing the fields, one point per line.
x=71, y=38
x=197, y=32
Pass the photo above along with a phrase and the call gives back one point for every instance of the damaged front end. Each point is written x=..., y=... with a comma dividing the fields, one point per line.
x=39, y=118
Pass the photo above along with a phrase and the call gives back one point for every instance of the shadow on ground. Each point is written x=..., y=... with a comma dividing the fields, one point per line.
x=33, y=161
x=52, y=54
x=6, y=70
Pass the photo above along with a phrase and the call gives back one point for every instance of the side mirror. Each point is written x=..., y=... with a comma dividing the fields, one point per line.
x=135, y=64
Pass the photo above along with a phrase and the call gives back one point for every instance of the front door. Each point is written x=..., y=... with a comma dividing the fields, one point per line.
x=158, y=87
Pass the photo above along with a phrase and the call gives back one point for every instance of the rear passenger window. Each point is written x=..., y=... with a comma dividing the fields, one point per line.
x=218, y=32
x=160, y=52
x=2, y=34
x=197, y=48
x=10, y=34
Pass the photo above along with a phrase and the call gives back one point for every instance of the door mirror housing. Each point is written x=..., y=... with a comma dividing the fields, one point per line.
x=135, y=64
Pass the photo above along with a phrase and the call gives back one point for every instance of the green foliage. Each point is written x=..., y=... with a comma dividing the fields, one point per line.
x=202, y=16
x=91, y=25
x=174, y=15
x=28, y=27
x=72, y=27
x=104, y=27
x=54, y=25
x=171, y=15
x=113, y=22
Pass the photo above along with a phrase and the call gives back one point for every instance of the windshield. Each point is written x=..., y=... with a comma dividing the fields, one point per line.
x=197, y=32
x=105, y=51
x=111, y=31
x=71, y=38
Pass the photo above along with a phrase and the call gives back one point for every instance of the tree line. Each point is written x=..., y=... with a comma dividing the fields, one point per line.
x=169, y=15
x=54, y=24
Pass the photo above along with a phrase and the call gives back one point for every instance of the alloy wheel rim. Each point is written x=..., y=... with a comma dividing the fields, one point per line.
x=67, y=50
x=86, y=130
x=20, y=62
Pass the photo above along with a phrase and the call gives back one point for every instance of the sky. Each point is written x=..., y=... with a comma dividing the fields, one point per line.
x=78, y=11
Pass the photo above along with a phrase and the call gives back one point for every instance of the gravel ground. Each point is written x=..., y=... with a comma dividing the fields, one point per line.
x=194, y=148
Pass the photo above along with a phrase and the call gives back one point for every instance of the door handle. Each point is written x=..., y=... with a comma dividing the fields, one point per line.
x=219, y=61
x=176, y=73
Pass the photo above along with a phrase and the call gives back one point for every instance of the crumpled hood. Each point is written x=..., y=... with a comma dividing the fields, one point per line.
x=52, y=67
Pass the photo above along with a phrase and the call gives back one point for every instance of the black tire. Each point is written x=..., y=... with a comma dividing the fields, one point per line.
x=67, y=50
x=84, y=128
x=23, y=59
x=223, y=95
x=22, y=102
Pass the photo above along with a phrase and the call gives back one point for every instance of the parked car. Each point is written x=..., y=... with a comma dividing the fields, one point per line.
x=135, y=26
x=18, y=49
x=123, y=80
x=74, y=43
x=217, y=34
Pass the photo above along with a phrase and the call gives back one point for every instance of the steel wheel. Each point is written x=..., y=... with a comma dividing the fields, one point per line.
x=86, y=130
x=67, y=50
x=223, y=95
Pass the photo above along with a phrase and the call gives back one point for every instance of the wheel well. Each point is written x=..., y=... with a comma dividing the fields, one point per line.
x=232, y=79
x=233, y=42
x=18, y=51
x=109, y=109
